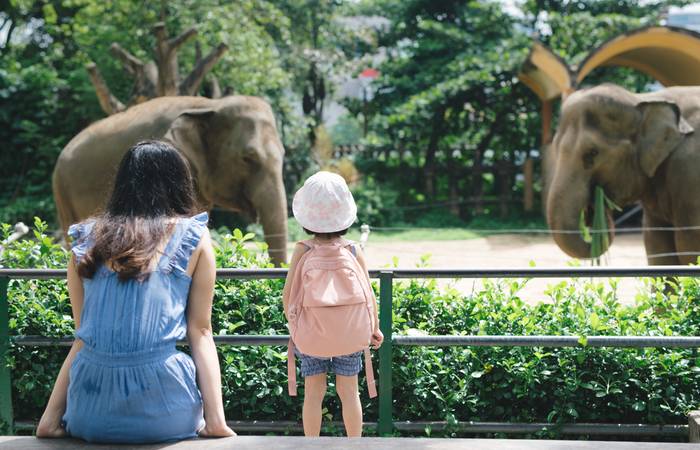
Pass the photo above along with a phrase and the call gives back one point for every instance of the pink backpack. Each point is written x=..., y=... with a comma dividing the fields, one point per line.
x=331, y=307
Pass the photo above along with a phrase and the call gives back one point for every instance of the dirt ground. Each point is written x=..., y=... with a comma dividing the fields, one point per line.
x=507, y=250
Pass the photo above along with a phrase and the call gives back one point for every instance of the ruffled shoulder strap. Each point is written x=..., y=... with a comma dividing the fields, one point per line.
x=191, y=233
x=81, y=238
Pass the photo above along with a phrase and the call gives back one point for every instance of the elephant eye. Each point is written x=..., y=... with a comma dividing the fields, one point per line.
x=249, y=160
x=589, y=157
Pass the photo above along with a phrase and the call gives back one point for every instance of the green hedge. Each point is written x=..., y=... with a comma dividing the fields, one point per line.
x=479, y=384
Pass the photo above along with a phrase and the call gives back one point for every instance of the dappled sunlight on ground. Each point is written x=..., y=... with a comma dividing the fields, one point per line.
x=510, y=250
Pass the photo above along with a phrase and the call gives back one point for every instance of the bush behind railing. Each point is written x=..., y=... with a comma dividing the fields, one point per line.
x=515, y=384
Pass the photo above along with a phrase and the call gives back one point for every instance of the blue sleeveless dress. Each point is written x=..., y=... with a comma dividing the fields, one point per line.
x=129, y=384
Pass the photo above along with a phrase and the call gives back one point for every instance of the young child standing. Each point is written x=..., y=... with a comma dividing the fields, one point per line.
x=329, y=303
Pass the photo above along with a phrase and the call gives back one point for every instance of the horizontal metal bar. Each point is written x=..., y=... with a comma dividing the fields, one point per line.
x=551, y=341
x=251, y=339
x=435, y=341
x=531, y=272
x=242, y=274
x=246, y=274
x=234, y=340
x=598, y=429
x=555, y=272
x=35, y=274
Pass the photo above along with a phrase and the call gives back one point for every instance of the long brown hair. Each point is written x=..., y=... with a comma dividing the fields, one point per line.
x=153, y=185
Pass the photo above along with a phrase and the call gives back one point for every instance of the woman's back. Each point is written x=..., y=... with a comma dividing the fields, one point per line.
x=128, y=316
x=129, y=383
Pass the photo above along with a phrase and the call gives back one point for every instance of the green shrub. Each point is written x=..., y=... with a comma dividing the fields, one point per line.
x=558, y=385
x=376, y=205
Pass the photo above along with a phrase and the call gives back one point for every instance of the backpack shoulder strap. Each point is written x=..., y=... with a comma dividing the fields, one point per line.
x=291, y=369
x=369, y=375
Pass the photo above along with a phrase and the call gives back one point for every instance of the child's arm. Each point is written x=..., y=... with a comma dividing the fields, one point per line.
x=199, y=335
x=299, y=251
x=377, y=335
x=50, y=423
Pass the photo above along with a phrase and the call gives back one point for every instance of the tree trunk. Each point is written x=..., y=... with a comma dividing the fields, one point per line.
x=429, y=167
x=478, y=182
x=453, y=183
x=478, y=169
x=503, y=169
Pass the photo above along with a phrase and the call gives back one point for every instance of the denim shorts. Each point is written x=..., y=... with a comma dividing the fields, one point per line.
x=346, y=365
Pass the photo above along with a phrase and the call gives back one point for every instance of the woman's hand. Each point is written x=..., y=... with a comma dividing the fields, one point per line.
x=50, y=426
x=216, y=431
x=377, y=338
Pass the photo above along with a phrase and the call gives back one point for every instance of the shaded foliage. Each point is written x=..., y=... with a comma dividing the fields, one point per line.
x=556, y=385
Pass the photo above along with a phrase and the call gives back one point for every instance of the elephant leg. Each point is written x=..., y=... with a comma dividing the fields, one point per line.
x=661, y=250
x=688, y=246
x=660, y=245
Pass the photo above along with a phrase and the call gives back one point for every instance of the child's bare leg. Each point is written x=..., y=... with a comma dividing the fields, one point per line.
x=352, y=408
x=314, y=391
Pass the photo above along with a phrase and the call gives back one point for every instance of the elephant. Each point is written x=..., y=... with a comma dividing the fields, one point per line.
x=231, y=144
x=638, y=148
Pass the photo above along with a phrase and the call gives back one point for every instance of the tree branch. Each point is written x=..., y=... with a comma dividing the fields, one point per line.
x=150, y=71
x=214, y=86
x=191, y=84
x=131, y=64
x=197, y=52
x=8, y=37
x=109, y=103
x=175, y=43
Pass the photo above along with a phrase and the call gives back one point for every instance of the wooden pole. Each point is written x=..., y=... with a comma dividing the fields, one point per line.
x=546, y=122
x=528, y=167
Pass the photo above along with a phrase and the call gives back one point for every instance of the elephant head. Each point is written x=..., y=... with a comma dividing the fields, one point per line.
x=611, y=138
x=236, y=158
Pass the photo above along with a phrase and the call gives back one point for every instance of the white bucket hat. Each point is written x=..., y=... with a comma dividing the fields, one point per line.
x=324, y=204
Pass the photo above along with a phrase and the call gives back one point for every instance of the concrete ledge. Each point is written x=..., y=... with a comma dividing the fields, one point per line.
x=326, y=443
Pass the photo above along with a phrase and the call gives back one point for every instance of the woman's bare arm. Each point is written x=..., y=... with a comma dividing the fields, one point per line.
x=199, y=335
x=50, y=423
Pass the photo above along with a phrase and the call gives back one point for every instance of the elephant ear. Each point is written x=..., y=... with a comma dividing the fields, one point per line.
x=661, y=129
x=188, y=133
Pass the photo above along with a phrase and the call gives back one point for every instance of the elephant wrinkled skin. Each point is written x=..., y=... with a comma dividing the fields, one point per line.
x=637, y=147
x=231, y=144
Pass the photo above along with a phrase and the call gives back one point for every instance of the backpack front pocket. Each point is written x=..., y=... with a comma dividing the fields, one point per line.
x=331, y=288
x=333, y=331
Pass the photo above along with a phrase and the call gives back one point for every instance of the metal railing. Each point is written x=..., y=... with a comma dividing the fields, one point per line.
x=385, y=424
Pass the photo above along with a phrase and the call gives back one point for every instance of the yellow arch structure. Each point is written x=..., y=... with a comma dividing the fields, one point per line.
x=670, y=55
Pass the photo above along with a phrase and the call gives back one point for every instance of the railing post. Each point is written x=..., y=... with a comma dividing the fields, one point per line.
x=385, y=425
x=694, y=426
x=6, y=416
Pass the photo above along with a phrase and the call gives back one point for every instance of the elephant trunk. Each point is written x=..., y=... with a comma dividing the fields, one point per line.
x=271, y=205
x=567, y=198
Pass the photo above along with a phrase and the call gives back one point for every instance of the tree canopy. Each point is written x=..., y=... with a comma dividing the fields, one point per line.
x=445, y=123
